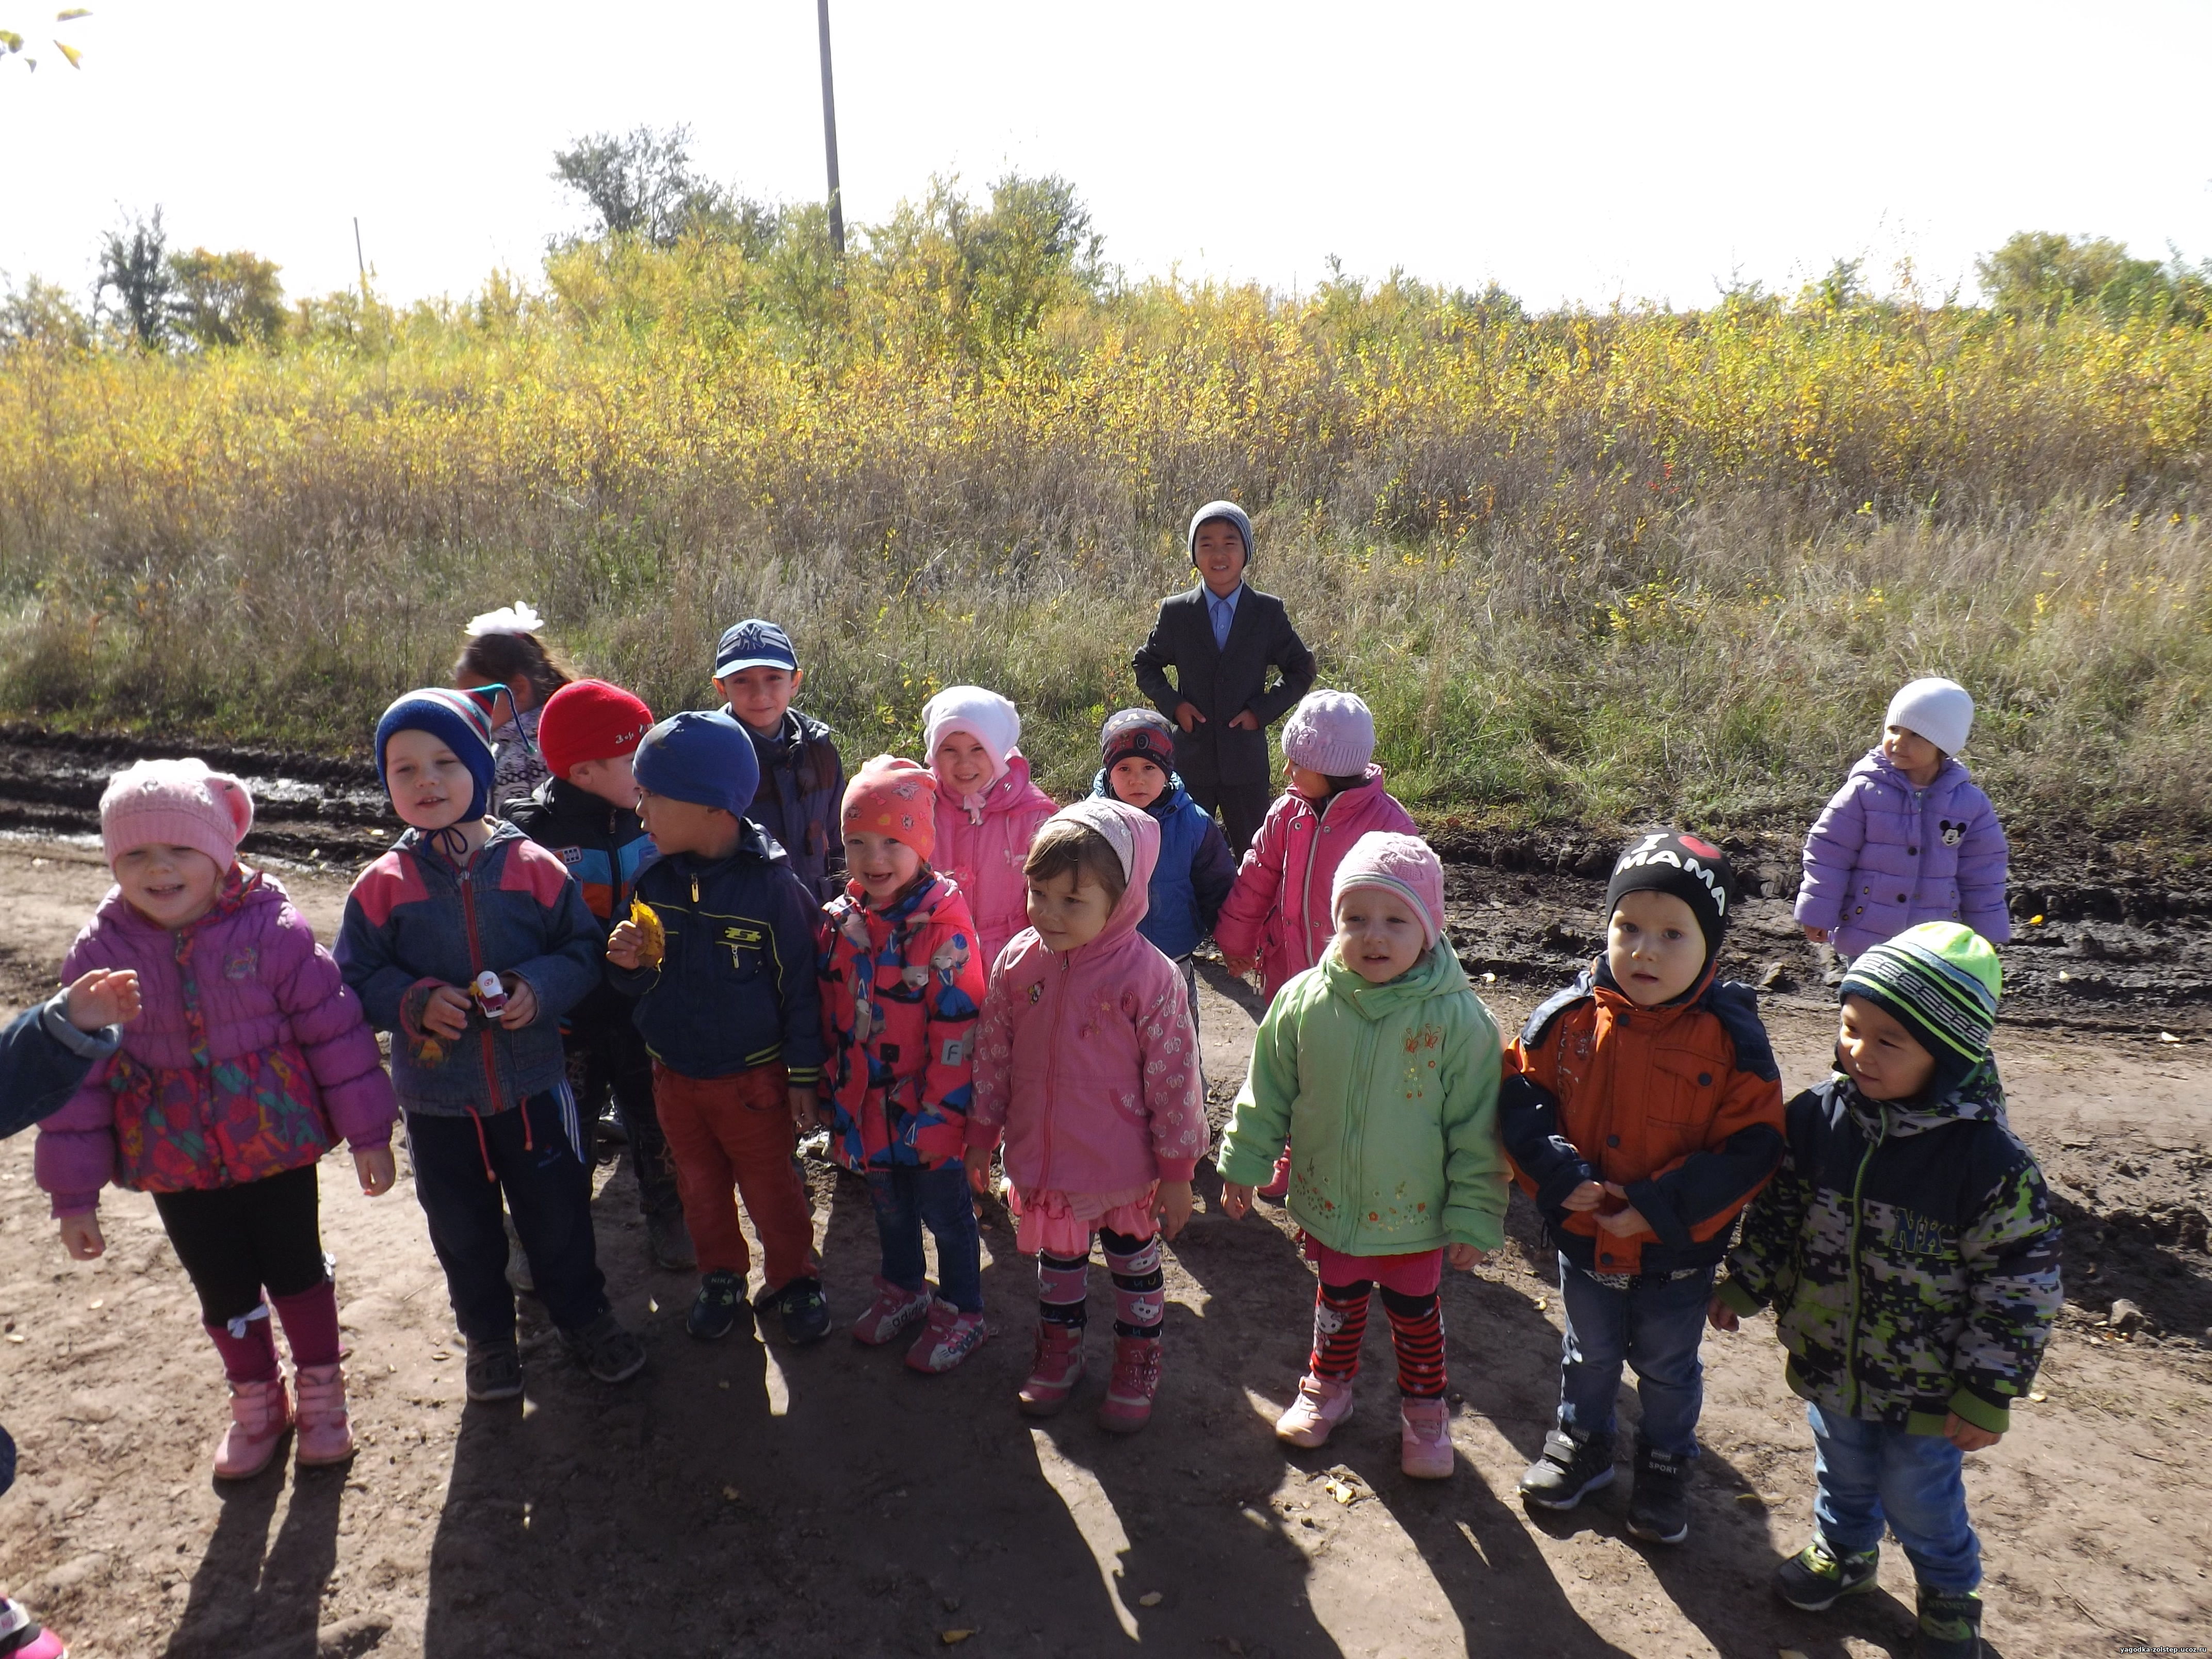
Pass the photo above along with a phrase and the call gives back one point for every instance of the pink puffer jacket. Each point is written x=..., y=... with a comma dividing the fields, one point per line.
x=983, y=854
x=1085, y=1059
x=1279, y=910
x=251, y=1056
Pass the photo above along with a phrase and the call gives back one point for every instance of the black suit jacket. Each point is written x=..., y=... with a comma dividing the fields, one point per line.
x=1224, y=682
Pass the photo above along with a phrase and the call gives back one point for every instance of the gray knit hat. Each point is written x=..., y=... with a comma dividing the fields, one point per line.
x=1228, y=510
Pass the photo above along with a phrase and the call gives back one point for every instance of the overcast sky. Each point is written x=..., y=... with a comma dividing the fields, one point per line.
x=1578, y=152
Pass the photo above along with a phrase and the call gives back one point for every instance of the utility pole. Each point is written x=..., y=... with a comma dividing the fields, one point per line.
x=830, y=134
x=359, y=263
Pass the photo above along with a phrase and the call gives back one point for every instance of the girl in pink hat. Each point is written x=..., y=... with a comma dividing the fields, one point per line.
x=249, y=1060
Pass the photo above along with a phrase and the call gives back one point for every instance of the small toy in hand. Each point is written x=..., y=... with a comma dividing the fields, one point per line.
x=652, y=937
x=490, y=995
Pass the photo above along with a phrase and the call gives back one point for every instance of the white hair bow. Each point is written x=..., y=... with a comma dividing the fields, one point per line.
x=516, y=619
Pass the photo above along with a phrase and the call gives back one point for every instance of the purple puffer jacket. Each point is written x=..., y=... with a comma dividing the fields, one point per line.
x=1884, y=856
x=249, y=1057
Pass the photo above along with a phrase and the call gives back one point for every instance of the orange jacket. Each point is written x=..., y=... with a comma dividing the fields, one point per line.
x=1679, y=1104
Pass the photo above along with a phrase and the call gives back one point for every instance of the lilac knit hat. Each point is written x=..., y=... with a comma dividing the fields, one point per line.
x=1403, y=864
x=1331, y=732
x=177, y=803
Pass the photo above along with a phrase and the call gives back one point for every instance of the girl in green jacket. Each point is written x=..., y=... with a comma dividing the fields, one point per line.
x=1380, y=1067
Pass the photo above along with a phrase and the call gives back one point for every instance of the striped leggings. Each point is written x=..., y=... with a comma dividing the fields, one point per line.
x=1417, y=1332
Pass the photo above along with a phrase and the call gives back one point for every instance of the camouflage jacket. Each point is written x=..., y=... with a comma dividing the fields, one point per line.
x=1910, y=1253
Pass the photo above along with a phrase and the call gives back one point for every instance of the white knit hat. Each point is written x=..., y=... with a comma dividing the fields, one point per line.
x=1939, y=710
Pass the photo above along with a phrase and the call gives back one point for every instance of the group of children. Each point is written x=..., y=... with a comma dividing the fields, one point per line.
x=934, y=962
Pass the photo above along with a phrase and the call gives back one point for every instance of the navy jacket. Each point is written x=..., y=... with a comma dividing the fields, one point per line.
x=735, y=987
x=43, y=1058
x=416, y=921
x=801, y=793
x=605, y=848
x=1193, y=874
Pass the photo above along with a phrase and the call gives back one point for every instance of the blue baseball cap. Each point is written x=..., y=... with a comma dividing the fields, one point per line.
x=754, y=644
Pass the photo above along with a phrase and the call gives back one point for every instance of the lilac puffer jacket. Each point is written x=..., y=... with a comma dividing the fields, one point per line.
x=1884, y=856
x=250, y=1058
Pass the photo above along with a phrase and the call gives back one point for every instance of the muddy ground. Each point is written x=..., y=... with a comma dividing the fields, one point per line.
x=742, y=1496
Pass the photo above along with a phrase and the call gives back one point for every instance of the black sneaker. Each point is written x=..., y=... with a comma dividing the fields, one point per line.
x=713, y=1315
x=1816, y=1577
x=1659, y=1507
x=668, y=1241
x=1570, y=1467
x=1950, y=1625
x=495, y=1370
x=805, y=1310
x=606, y=1350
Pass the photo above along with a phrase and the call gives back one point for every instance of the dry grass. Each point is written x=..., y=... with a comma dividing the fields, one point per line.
x=1596, y=566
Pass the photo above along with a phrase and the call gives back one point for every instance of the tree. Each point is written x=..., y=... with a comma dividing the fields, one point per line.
x=2042, y=273
x=134, y=263
x=640, y=183
x=227, y=299
x=40, y=313
x=12, y=44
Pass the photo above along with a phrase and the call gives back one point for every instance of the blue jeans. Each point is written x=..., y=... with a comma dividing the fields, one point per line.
x=1654, y=1325
x=1871, y=1472
x=905, y=1199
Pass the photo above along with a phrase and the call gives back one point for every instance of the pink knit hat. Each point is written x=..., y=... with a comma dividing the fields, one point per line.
x=895, y=798
x=177, y=803
x=1331, y=732
x=1403, y=864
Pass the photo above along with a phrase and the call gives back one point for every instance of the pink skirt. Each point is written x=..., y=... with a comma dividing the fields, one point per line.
x=1417, y=1275
x=1054, y=1223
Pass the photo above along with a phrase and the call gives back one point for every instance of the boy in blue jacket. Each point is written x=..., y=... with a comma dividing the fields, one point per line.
x=1196, y=869
x=801, y=776
x=468, y=942
x=728, y=1004
x=44, y=1055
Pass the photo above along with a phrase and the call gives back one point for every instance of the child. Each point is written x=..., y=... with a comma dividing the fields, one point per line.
x=1277, y=915
x=729, y=1007
x=583, y=816
x=1912, y=1261
x=802, y=776
x=901, y=985
x=1195, y=869
x=1909, y=838
x=250, y=1058
x=1221, y=637
x=468, y=941
x=1641, y=1108
x=44, y=1055
x=504, y=650
x=1380, y=1066
x=986, y=807
x=1086, y=1063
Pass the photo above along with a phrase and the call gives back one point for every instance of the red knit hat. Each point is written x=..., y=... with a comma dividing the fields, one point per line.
x=590, y=721
x=895, y=798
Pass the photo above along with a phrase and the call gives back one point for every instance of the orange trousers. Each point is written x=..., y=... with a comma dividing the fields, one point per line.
x=736, y=1132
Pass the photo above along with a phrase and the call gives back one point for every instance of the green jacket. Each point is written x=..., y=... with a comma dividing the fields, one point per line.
x=1910, y=1254
x=1389, y=1096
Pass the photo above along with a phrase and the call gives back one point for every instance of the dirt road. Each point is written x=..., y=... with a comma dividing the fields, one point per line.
x=743, y=1497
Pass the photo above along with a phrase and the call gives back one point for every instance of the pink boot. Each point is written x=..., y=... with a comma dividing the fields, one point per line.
x=260, y=1414
x=1056, y=1370
x=1321, y=1406
x=326, y=1430
x=1128, y=1404
x=21, y=1637
x=1425, y=1447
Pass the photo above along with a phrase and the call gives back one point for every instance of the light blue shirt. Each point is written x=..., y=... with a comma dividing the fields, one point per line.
x=1223, y=608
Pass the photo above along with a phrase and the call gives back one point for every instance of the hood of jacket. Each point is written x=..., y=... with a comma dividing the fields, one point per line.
x=1980, y=1097
x=1169, y=800
x=1438, y=975
x=1875, y=764
x=1134, y=836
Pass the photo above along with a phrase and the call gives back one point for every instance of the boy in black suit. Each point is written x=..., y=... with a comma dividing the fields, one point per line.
x=1221, y=637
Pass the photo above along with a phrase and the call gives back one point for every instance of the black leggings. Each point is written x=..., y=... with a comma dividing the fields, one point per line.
x=234, y=1240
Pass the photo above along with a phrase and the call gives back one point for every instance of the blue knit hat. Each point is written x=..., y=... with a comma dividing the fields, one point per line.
x=1228, y=510
x=458, y=719
x=705, y=758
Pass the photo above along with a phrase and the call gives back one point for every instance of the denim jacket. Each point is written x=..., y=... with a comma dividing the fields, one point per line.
x=416, y=921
